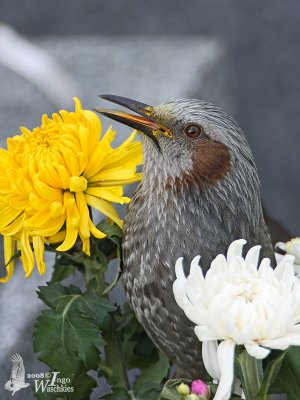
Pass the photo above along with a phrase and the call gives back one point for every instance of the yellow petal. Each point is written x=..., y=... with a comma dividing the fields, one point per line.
x=94, y=124
x=84, y=215
x=136, y=178
x=105, y=208
x=49, y=175
x=26, y=254
x=82, y=162
x=51, y=225
x=109, y=193
x=57, y=238
x=38, y=246
x=132, y=154
x=78, y=184
x=84, y=139
x=113, y=174
x=36, y=203
x=101, y=150
x=64, y=176
x=14, y=227
x=56, y=209
x=86, y=248
x=45, y=191
x=72, y=222
x=78, y=105
x=7, y=216
x=95, y=231
x=9, y=251
x=72, y=165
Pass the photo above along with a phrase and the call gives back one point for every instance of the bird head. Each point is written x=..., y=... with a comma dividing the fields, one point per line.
x=186, y=141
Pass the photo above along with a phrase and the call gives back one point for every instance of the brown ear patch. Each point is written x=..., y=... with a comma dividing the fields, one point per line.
x=211, y=162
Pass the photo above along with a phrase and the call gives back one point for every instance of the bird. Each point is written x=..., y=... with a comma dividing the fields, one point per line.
x=199, y=191
x=17, y=380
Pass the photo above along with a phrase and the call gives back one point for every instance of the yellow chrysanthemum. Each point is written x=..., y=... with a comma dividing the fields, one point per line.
x=51, y=175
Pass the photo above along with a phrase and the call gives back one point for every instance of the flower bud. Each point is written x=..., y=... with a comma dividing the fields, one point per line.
x=183, y=389
x=200, y=388
x=192, y=396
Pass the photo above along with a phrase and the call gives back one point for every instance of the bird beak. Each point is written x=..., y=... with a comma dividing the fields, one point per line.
x=143, y=122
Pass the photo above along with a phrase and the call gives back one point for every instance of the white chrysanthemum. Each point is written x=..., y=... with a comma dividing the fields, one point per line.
x=293, y=248
x=239, y=303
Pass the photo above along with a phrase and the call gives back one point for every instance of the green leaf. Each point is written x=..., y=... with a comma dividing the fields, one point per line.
x=148, y=384
x=112, y=230
x=148, y=390
x=83, y=385
x=61, y=272
x=250, y=372
x=55, y=294
x=115, y=280
x=116, y=394
x=114, y=365
x=270, y=374
x=169, y=391
x=112, y=242
x=288, y=378
x=155, y=372
x=94, y=270
x=68, y=335
x=46, y=395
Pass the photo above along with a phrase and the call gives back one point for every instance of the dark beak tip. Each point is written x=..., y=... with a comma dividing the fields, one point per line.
x=106, y=96
x=130, y=104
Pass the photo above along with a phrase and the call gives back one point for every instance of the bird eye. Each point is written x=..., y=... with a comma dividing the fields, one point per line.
x=193, y=131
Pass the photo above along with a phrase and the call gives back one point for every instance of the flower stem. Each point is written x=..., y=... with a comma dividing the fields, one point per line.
x=250, y=372
x=114, y=358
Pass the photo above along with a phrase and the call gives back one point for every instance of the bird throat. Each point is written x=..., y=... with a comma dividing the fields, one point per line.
x=195, y=201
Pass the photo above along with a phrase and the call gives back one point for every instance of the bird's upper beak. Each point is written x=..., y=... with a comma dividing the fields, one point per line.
x=144, y=122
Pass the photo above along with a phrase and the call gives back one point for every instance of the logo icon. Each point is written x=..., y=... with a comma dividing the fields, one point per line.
x=17, y=380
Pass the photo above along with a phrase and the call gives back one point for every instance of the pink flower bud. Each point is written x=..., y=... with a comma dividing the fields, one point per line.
x=200, y=388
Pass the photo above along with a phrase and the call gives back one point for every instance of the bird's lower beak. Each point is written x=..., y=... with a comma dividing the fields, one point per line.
x=143, y=122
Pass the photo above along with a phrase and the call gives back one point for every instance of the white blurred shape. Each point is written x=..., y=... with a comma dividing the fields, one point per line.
x=37, y=66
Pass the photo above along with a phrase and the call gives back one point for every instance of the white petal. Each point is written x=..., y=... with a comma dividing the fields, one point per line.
x=219, y=264
x=278, y=258
x=286, y=259
x=195, y=282
x=279, y=343
x=210, y=359
x=196, y=263
x=179, y=292
x=281, y=246
x=179, y=268
x=254, y=350
x=235, y=249
x=285, y=270
x=265, y=271
x=196, y=313
x=226, y=359
x=252, y=257
x=237, y=266
x=204, y=333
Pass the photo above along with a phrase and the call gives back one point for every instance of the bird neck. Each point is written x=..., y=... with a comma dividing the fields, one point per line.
x=172, y=183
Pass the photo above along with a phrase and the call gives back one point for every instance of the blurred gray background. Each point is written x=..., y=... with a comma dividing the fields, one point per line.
x=242, y=55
